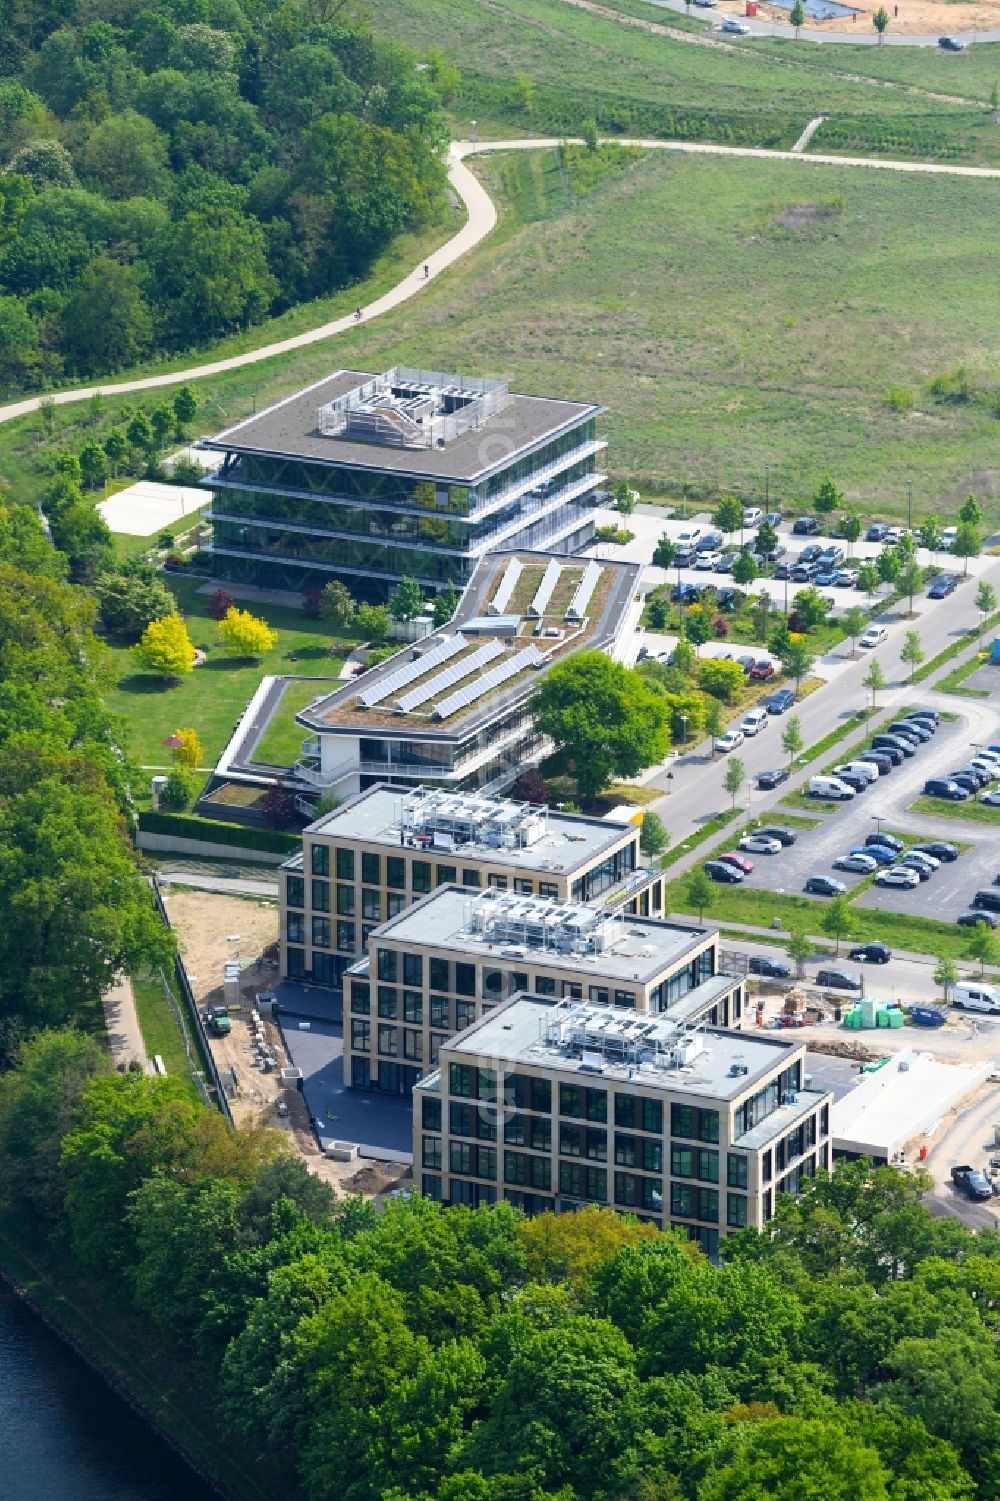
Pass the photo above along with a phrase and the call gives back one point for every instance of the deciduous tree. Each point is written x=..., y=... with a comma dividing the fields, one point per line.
x=967, y=543
x=609, y=720
x=874, y=678
x=854, y=621
x=838, y=919
x=166, y=648
x=911, y=580
x=797, y=660
x=827, y=497
x=246, y=635
x=665, y=552
x=736, y=775
x=374, y=623
x=744, y=569
x=653, y=836
x=406, y=601
x=912, y=653
x=338, y=608
x=189, y=752
x=728, y=515
x=792, y=741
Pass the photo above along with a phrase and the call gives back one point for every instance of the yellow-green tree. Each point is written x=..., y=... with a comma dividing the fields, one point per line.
x=188, y=753
x=166, y=647
x=245, y=635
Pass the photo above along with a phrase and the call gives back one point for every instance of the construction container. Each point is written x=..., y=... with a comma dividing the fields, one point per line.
x=868, y=1007
x=852, y=1018
x=896, y=1017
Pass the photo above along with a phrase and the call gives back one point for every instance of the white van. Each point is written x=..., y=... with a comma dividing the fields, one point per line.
x=691, y=536
x=970, y=996
x=866, y=769
x=753, y=721
x=831, y=787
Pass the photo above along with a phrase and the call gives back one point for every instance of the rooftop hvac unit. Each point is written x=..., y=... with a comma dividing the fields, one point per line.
x=685, y=1051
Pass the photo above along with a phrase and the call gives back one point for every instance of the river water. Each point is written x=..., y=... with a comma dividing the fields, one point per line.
x=65, y=1436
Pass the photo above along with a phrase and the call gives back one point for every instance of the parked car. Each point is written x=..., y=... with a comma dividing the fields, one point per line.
x=922, y=872
x=898, y=877
x=991, y=799
x=824, y=886
x=754, y=720
x=683, y=593
x=865, y=769
x=896, y=742
x=920, y=857
x=951, y=44
x=832, y=555
x=709, y=541
x=882, y=759
x=735, y=27
x=784, y=570
x=778, y=702
x=986, y=901
x=729, y=599
x=805, y=526
x=831, y=787
x=726, y=561
x=740, y=861
x=926, y=717
x=948, y=790
x=913, y=728
x=746, y=662
x=768, y=780
x=967, y=780
x=824, y=578
x=887, y=840
x=690, y=536
x=761, y=670
x=893, y=535
x=784, y=836
x=804, y=573
x=726, y=875
x=837, y=979
x=752, y=516
x=970, y=919
x=845, y=578
x=759, y=844
x=852, y=779
x=948, y=536
x=773, y=969
x=940, y=849
x=871, y=953
x=876, y=852
x=860, y=863
x=942, y=586
x=972, y=1183
x=811, y=554
x=874, y=636
x=706, y=560
x=731, y=740
x=877, y=532
x=773, y=518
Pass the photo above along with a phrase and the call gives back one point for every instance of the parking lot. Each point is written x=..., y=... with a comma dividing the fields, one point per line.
x=884, y=804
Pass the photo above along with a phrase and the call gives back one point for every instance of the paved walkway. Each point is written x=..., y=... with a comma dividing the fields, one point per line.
x=122, y=1021
x=808, y=133
x=482, y=218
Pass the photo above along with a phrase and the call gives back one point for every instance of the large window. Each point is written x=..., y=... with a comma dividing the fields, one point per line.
x=413, y=969
x=361, y=997
x=420, y=876
x=361, y=1036
x=346, y=937
x=432, y=1151
x=695, y=1124
x=692, y=1203
x=320, y=860
x=395, y=872
x=371, y=874
x=388, y=1041
x=413, y=1007
x=736, y=1211
x=638, y=1113
x=388, y=1002
x=321, y=896
x=465, y=979
x=526, y=1093
x=295, y=891
x=439, y=974
x=579, y=1182
x=639, y=1151
x=345, y=901
x=387, y=962
x=737, y=1170
x=296, y=927
x=345, y=865
x=371, y=905
x=321, y=932
x=694, y=1162
x=634, y=1192
x=583, y=1104
x=583, y=1141
x=430, y=1114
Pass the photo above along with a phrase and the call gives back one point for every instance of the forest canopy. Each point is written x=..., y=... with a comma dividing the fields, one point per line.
x=185, y=168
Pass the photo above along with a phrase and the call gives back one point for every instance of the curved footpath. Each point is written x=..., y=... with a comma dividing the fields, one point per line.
x=481, y=220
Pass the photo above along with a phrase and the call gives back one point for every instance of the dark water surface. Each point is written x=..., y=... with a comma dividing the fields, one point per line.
x=65, y=1436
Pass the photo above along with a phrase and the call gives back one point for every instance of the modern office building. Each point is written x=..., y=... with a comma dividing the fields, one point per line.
x=554, y=1104
x=457, y=953
x=454, y=709
x=369, y=478
x=374, y=856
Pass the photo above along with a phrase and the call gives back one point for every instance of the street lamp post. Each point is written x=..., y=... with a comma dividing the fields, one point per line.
x=684, y=724
x=909, y=505
x=473, y=124
x=862, y=979
x=879, y=821
x=767, y=487
x=680, y=604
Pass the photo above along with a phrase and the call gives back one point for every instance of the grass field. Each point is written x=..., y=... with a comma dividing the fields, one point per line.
x=211, y=698
x=281, y=743
x=971, y=812
x=160, y=1028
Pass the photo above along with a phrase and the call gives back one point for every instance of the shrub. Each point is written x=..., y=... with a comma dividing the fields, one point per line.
x=219, y=605
x=899, y=398
x=178, y=791
x=720, y=625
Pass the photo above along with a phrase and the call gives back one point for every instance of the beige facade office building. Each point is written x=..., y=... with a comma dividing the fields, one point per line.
x=555, y=1104
x=377, y=854
x=457, y=953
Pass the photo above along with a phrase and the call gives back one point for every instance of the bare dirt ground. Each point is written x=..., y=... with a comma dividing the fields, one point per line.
x=915, y=17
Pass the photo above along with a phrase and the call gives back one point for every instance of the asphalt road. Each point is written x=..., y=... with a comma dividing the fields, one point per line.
x=857, y=33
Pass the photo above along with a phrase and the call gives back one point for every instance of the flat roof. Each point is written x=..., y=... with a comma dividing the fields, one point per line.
x=568, y=840
x=904, y=1099
x=552, y=636
x=521, y=1031
x=464, y=920
x=781, y=1120
x=290, y=429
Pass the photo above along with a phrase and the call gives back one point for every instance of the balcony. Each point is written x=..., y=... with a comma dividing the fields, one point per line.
x=637, y=881
x=308, y=770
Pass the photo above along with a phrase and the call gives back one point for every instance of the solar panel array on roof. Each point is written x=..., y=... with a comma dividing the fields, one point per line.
x=509, y=669
x=585, y=588
x=508, y=584
x=545, y=589
x=453, y=674
x=411, y=670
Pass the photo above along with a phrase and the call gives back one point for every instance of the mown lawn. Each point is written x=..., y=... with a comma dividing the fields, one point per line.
x=281, y=743
x=161, y=1031
x=971, y=812
x=211, y=698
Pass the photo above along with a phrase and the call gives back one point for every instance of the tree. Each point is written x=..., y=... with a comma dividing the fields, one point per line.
x=854, y=620
x=373, y=623
x=880, y=20
x=767, y=539
x=906, y=549
x=278, y=805
x=406, y=601
x=850, y=529
x=140, y=433
x=971, y=512
x=827, y=497
x=722, y=679
x=687, y=715
x=912, y=653
x=736, y=775
x=745, y=569
x=699, y=891
x=106, y=323
x=797, y=17
x=887, y=565
x=911, y=580
x=986, y=601
x=125, y=156
x=874, y=678
x=792, y=741
x=189, y=753
x=445, y=605
x=929, y=534
x=665, y=552
x=810, y=606
x=177, y=791
x=838, y=918
x=166, y=648
x=783, y=1457
x=219, y=604
x=800, y=948
x=653, y=836
x=760, y=615
x=868, y=578
x=715, y=721
x=246, y=635
x=728, y=515
x=946, y=975
x=657, y=612
x=338, y=608
x=797, y=661
x=967, y=543
x=185, y=405
x=983, y=945
x=211, y=273
x=610, y=721
x=116, y=448
x=161, y=420
x=624, y=494
x=93, y=465
x=699, y=627
x=130, y=598
x=531, y=787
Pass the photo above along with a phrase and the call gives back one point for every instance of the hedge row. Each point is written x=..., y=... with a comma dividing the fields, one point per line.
x=186, y=826
x=923, y=136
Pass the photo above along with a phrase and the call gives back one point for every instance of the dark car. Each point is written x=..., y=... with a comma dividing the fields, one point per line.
x=881, y=759
x=947, y=789
x=773, y=518
x=837, y=979
x=898, y=742
x=967, y=780
x=769, y=779
x=758, y=964
x=887, y=841
x=892, y=753
x=931, y=714
x=942, y=586
x=729, y=600
x=939, y=848
x=832, y=555
x=824, y=886
x=805, y=573
x=930, y=725
x=746, y=662
x=728, y=875
x=709, y=542
x=783, y=836
x=911, y=727
x=951, y=44
x=852, y=779
x=784, y=570
x=877, y=532
x=681, y=593
x=970, y=919
x=805, y=526
x=988, y=901
x=778, y=702
x=871, y=953
x=725, y=563
x=811, y=554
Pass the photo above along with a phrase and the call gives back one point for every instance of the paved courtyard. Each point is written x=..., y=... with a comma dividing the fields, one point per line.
x=146, y=507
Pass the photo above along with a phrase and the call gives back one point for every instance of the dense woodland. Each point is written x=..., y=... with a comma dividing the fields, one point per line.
x=178, y=169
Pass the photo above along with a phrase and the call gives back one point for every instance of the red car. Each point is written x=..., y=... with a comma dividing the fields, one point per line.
x=740, y=861
x=761, y=671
